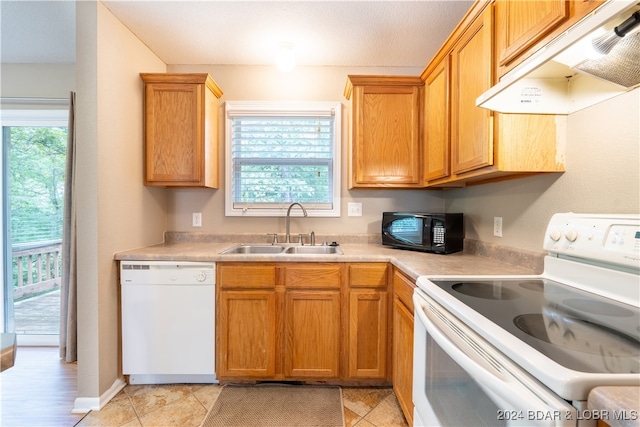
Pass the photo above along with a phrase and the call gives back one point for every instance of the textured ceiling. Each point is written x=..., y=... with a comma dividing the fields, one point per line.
x=37, y=31
x=323, y=33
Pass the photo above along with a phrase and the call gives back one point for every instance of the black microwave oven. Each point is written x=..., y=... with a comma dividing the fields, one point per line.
x=428, y=232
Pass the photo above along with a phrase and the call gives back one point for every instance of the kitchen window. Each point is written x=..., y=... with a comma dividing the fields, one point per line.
x=282, y=152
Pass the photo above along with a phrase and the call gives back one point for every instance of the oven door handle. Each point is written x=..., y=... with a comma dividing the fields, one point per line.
x=495, y=374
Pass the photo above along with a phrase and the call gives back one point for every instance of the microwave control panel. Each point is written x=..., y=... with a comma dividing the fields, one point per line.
x=438, y=233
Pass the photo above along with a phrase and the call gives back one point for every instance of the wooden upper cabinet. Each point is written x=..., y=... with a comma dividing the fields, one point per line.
x=181, y=130
x=384, y=144
x=471, y=63
x=522, y=27
x=520, y=24
x=437, y=152
x=465, y=144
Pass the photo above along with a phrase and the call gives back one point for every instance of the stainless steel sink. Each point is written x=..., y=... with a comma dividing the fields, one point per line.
x=250, y=248
x=315, y=250
x=254, y=249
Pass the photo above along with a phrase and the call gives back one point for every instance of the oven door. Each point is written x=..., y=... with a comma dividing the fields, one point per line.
x=460, y=379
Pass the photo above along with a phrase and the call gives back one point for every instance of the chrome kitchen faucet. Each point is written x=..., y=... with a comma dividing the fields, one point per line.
x=287, y=220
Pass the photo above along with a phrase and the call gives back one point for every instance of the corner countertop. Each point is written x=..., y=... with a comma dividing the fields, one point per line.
x=622, y=405
x=412, y=263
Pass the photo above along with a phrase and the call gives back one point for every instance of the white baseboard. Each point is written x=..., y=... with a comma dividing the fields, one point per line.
x=82, y=405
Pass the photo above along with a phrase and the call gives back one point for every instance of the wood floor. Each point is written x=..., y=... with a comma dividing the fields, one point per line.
x=39, y=390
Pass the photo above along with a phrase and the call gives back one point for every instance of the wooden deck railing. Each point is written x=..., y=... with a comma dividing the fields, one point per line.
x=38, y=267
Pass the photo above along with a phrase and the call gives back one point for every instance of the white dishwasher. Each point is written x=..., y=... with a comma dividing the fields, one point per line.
x=168, y=321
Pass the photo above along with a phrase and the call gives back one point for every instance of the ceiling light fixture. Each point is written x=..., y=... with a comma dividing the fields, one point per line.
x=285, y=58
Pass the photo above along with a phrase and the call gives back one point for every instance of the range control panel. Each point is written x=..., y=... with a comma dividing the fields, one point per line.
x=611, y=239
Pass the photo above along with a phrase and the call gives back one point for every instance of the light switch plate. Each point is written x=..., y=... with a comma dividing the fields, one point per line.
x=354, y=209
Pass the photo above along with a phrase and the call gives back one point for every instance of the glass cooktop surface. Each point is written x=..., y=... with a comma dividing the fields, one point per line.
x=577, y=329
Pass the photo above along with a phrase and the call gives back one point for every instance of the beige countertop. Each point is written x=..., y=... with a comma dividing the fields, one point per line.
x=412, y=263
x=617, y=406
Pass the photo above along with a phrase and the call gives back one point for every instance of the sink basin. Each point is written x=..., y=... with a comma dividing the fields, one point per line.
x=254, y=249
x=315, y=250
x=278, y=249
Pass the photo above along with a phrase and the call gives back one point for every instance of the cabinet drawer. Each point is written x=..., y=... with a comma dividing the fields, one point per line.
x=313, y=276
x=403, y=289
x=246, y=276
x=368, y=275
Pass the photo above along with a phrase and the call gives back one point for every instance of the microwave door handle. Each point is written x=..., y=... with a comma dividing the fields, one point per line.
x=507, y=391
x=428, y=228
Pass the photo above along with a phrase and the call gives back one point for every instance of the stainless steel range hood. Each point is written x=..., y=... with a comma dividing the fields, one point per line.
x=560, y=79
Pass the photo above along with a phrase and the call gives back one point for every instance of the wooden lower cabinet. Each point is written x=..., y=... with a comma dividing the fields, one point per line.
x=402, y=356
x=252, y=316
x=368, y=321
x=367, y=334
x=303, y=321
x=279, y=321
x=312, y=334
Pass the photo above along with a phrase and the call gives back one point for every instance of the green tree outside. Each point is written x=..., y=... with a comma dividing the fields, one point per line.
x=37, y=168
x=37, y=160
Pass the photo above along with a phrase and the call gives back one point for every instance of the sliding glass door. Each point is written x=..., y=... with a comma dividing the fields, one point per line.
x=34, y=154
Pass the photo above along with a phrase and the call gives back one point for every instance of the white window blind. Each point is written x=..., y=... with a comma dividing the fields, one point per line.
x=280, y=154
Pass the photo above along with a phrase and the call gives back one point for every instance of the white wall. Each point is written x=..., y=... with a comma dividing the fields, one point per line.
x=602, y=176
x=265, y=83
x=115, y=210
x=38, y=80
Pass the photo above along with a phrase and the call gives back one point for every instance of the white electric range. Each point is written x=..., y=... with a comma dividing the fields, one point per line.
x=527, y=350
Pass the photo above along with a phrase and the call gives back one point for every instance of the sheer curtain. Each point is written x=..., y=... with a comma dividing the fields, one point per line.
x=68, y=296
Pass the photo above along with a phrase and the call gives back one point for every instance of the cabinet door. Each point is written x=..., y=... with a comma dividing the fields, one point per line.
x=386, y=146
x=367, y=334
x=247, y=327
x=402, y=359
x=436, y=123
x=173, y=133
x=521, y=24
x=312, y=334
x=471, y=61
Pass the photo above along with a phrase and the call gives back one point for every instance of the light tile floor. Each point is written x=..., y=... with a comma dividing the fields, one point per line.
x=187, y=405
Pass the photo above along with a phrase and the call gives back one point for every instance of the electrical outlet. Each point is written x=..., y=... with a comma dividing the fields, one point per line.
x=196, y=219
x=354, y=209
x=497, y=226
